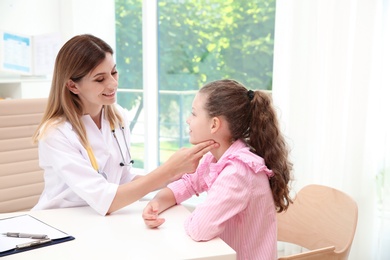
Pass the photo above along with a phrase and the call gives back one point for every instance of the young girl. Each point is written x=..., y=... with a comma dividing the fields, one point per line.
x=247, y=177
x=83, y=137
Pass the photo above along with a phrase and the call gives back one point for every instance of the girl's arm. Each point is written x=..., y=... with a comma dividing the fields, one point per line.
x=163, y=200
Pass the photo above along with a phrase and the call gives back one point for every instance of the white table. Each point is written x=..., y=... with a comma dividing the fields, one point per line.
x=122, y=235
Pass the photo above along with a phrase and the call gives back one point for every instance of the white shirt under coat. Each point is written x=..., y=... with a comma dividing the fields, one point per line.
x=70, y=179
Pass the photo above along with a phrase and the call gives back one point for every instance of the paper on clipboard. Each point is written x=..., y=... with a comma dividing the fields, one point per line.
x=25, y=224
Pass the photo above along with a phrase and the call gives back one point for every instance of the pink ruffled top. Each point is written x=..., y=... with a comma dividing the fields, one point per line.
x=239, y=206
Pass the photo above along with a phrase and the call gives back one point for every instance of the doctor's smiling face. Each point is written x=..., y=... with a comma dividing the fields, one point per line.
x=98, y=87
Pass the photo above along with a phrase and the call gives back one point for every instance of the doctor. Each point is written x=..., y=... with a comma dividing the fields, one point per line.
x=84, y=136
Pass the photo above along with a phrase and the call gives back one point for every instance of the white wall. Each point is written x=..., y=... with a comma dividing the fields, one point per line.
x=88, y=16
x=68, y=17
x=29, y=17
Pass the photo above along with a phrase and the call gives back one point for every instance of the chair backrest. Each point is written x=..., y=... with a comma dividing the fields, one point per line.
x=21, y=178
x=321, y=218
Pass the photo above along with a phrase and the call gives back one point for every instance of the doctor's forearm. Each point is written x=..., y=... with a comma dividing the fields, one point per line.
x=183, y=161
x=132, y=191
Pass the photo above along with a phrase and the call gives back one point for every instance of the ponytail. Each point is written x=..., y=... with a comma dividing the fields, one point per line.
x=268, y=142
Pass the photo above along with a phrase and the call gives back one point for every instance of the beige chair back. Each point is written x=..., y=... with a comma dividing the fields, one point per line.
x=321, y=219
x=21, y=178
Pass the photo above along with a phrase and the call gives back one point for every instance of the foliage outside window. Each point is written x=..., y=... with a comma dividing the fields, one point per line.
x=198, y=41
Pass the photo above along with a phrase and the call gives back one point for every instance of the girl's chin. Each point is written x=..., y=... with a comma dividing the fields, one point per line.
x=195, y=142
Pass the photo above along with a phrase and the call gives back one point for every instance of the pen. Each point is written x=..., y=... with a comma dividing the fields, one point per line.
x=25, y=235
x=34, y=243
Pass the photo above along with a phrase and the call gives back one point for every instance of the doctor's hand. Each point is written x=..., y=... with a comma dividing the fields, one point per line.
x=150, y=215
x=186, y=160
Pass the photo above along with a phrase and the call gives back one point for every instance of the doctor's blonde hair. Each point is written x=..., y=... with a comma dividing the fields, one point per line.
x=79, y=56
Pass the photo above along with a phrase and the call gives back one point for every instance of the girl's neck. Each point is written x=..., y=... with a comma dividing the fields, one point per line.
x=218, y=152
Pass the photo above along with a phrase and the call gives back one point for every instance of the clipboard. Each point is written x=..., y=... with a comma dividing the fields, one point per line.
x=27, y=224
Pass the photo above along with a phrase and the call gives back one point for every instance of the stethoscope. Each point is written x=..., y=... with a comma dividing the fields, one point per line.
x=92, y=157
x=122, y=163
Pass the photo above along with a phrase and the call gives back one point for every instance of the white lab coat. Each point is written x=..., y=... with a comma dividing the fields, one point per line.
x=70, y=179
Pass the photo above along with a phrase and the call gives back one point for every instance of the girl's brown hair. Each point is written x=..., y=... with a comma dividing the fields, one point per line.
x=252, y=118
x=79, y=56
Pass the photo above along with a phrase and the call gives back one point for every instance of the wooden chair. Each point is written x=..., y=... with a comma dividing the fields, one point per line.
x=322, y=220
x=21, y=178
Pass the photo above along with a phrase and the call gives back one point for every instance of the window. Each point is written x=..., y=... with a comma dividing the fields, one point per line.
x=195, y=41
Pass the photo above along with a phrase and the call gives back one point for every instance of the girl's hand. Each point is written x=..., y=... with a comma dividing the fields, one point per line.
x=150, y=215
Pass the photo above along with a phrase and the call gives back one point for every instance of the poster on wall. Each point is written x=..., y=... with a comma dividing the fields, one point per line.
x=16, y=53
x=29, y=55
x=44, y=52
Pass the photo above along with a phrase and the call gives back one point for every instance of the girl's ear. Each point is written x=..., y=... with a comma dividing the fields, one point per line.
x=72, y=87
x=215, y=124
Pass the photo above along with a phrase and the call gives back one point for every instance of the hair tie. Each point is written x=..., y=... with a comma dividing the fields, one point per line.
x=251, y=94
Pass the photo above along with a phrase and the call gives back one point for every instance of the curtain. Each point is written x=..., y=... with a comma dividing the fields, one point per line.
x=331, y=87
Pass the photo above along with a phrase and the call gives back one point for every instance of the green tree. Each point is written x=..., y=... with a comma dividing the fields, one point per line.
x=198, y=41
x=128, y=16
